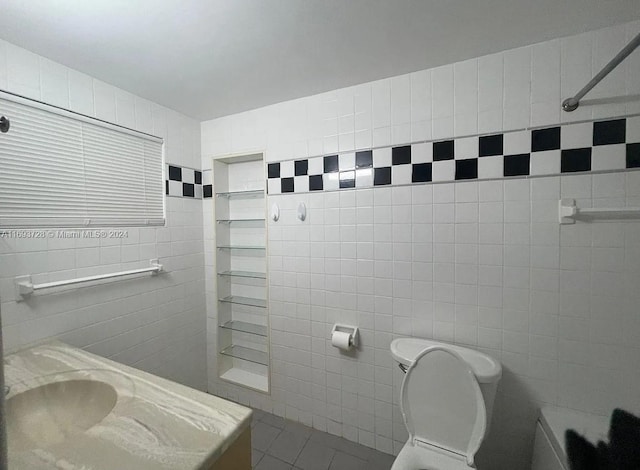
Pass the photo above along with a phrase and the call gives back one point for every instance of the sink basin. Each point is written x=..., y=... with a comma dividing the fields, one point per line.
x=49, y=414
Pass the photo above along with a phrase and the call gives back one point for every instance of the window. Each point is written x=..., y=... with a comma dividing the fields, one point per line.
x=60, y=169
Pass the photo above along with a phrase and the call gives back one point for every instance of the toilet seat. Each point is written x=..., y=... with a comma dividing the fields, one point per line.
x=418, y=457
x=444, y=412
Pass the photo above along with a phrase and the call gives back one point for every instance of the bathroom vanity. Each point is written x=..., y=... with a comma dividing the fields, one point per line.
x=71, y=409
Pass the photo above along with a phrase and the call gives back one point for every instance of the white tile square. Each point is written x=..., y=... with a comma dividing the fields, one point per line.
x=330, y=144
x=287, y=169
x=331, y=181
x=206, y=177
x=545, y=163
x=125, y=109
x=346, y=142
x=491, y=167
x=381, y=103
x=80, y=93
x=381, y=157
x=515, y=143
x=444, y=170
x=608, y=185
x=23, y=71
x=364, y=178
x=609, y=157
x=175, y=188
x=401, y=174
x=420, y=130
x=576, y=136
x=633, y=129
x=104, y=101
x=347, y=161
x=490, y=82
x=198, y=191
x=316, y=166
x=364, y=139
x=54, y=80
x=422, y=153
x=401, y=99
x=381, y=136
x=442, y=128
x=188, y=175
x=401, y=134
x=301, y=184
x=466, y=148
x=273, y=186
x=442, y=83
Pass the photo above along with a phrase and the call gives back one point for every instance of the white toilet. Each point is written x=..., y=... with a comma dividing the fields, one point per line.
x=447, y=400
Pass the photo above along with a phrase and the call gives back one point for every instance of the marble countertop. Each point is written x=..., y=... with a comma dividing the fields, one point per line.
x=155, y=424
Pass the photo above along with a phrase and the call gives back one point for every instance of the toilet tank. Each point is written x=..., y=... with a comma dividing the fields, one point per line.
x=486, y=369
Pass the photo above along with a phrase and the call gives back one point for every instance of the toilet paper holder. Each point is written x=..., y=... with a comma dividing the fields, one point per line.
x=352, y=330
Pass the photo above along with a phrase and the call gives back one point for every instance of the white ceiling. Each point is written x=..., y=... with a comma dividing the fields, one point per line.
x=210, y=58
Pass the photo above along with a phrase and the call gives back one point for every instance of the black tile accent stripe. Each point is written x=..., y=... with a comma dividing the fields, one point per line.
x=364, y=159
x=549, y=156
x=490, y=145
x=315, y=183
x=633, y=155
x=207, y=191
x=188, y=190
x=286, y=185
x=382, y=176
x=183, y=182
x=443, y=150
x=331, y=164
x=575, y=160
x=516, y=165
x=545, y=139
x=467, y=169
x=273, y=170
x=421, y=173
x=175, y=173
x=301, y=167
x=401, y=155
x=609, y=132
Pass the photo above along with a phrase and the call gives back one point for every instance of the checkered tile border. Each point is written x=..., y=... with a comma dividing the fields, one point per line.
x=588, y=146
x=183, y=182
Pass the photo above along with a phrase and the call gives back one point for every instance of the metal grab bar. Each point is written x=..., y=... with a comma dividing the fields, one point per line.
x=25, y=287
x=571, y=104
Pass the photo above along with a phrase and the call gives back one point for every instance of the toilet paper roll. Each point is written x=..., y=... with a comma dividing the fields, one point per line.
x=340, y=340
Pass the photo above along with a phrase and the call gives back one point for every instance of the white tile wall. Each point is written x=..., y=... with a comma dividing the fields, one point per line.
x=156, y=324
x=480, y=263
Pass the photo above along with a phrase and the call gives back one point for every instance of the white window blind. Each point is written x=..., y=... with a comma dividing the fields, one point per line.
x=59, y=169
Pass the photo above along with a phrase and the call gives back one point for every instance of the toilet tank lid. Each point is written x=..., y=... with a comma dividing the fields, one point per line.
x=556, y=420
x=485, y=368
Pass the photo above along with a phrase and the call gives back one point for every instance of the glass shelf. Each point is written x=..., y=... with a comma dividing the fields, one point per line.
x=241, y=247
x=248, y=354
x=250, y=274
x=245, y=327
x=253, y=194
x=255, y=222
x=250, y=301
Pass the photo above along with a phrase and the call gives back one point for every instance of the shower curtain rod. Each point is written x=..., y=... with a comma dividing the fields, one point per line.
x=571, y=104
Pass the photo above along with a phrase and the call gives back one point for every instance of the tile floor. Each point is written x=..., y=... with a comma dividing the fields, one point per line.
x=279, y=444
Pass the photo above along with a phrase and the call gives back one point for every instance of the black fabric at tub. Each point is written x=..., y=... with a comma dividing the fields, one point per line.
x=621, y=453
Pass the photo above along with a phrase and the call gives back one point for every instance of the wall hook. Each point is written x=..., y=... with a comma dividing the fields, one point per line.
x=302, y=211
x=275, y=212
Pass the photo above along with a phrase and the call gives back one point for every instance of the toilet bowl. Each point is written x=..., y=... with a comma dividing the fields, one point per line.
x=446, y=402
